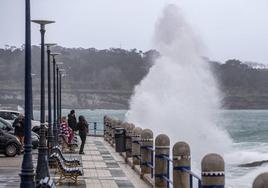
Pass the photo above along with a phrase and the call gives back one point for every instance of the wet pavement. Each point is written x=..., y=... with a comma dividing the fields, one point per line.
x=103, y=168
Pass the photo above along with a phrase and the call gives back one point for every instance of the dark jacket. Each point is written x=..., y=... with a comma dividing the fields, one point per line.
x=72, y=121
x=19, y=127
x=82, y=127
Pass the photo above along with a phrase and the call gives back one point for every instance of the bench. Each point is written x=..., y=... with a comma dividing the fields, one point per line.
x=70, y=173
x=68, y=162
x=46, y=182
x=71, y=146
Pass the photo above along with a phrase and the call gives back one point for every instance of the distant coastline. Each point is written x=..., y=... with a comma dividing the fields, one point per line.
x=105, y=79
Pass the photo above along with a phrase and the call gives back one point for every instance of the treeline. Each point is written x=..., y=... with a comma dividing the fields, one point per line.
x=112, y=69
x=119, y=69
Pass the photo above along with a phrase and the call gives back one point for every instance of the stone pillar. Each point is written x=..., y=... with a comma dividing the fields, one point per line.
x=117, y=124
x=113, y=125
x=105, y=127
x=162, y=147
x=136, y=137
x=110, y=131
x=129, y=129
x=213, y=171
x=181, y=160
x=261, y=181
x=146, y=141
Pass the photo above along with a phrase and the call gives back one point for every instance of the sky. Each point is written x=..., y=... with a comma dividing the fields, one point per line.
x=227, y=28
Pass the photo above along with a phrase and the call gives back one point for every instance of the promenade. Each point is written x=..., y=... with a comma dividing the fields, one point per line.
x=103, y=168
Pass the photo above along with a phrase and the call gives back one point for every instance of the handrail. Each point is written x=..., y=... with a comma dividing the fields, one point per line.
x=166, y=176
x=94, y=126
x=163, y=158
x=148, y=164
x=192, y=174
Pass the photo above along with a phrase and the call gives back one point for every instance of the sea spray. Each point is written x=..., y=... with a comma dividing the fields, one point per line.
x=179, y=96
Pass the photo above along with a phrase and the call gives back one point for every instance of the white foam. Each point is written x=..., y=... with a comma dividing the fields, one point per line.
x=179, y=96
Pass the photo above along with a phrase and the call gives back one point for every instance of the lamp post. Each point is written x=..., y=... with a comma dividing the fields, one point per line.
x=50, y=133
x=58, y=93
x=27, y=170
x=58, y=98
x=55, y=126
x=42, y=162
x=61, y=72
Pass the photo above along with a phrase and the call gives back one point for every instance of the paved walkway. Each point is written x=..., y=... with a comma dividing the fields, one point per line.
x=103, y=168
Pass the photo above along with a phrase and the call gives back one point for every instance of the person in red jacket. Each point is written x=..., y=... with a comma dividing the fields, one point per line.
x=65, y=129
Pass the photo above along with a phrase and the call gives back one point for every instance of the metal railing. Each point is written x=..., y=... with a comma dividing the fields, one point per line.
x=154, y=159
x=95, y=127
x=149, y=164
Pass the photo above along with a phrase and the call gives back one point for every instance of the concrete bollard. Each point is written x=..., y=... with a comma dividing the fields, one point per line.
x=146, y=156
x=115, y=124
x=136, y=137
x=110, y=131
x=162, y=147
x=129, y=129
x=181, y=160
x=107, y=133
x=213, y=171
x=261, y=181
x=105, y=127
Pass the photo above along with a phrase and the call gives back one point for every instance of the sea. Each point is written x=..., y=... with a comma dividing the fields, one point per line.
x=248, y=130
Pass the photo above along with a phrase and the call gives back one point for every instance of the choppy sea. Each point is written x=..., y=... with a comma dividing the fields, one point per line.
x=247, y=128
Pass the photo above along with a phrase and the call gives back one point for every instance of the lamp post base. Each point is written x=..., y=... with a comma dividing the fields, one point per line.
x=27, y=173
x=42, y=164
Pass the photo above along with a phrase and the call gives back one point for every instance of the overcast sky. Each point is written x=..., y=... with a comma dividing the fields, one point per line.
x=228, y=28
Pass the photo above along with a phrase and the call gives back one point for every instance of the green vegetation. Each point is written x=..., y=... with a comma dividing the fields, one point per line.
x=119, y=70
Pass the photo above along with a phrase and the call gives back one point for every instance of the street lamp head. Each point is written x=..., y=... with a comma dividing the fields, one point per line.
x=50, y=44
x=54, y=54
x=59, y=63
x=43, y=22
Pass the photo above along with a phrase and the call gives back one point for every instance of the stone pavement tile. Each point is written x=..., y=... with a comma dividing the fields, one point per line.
x=90, y=173
x=97, y=158
x=88, y=164
x=124, y=184
x=129, y=173
x=96, y=173
x=109, y=183
x=100, y=164
x=103, y=173
x=9, y=184
x=92, y=158
x=112, y=164
x=92, y=152
x=94, y=164
x=91, y=148
x=117, y=172
x=10, y=161
x=93, y=183
x=66, y=184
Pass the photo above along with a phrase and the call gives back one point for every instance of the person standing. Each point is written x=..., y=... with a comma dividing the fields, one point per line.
x=66, y=130
x=72, y=120
x=82, y=127
x=18, y=124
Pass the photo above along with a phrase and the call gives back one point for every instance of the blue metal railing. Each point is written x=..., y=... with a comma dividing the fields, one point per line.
x=94, y=126
x=192, y=175
x=149, y=164
x=169, y=161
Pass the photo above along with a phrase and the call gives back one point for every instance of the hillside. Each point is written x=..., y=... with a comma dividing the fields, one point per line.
x=106, y=78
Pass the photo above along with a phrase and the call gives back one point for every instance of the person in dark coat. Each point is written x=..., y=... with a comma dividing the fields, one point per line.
x=18, y=124
x=72, y=120
x=82, y=127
